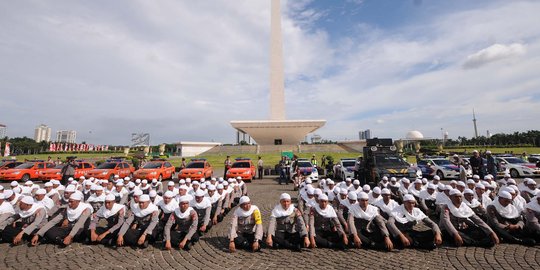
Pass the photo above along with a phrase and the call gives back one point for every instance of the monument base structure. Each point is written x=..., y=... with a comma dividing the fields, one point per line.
x=278, y=132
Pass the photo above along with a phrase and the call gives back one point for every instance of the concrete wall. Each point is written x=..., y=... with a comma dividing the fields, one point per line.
x=305, y=148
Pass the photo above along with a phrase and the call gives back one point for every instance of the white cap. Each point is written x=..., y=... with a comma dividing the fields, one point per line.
x=14, y=183
x=185, y=198
x=461, y=184
x=511, y=181
x=120, y=183
x=152, y=193
x=116, y=176
x=343, y=191
x=470, y=181
x=405, y=180
x=468, y=191
x=195, y=182
x=488, y=152
x=104, y=181
x=29, y=182
x=70, y=188
x=366, y=188
x=41, y=191
x=348, y=179
x=505, y=194
x=138, y=192
x=356, y=182
x=476, y=177
x=27, y=200
x=309, y=181
x=352, y=196
x=385, y=191
x=362, y=196
x=131, y=185
x=310, y=190
x=76, y=196
x=144, y=198
x=323, y=197
x=110, y=197
x=418, y=181
x=318, y=192
x=409, y=198
x=220, y=186
x=182, y=181
x=144, y=181
x=384, y=178
x=285, y=196
x=8, y=193
x=211, y=187
x=436, y=177
x=199, y=193
x=48, y=184
x=244, y=199
x=455, y=192
x=168, y=194
x=480, y=186
x=448, y=187
x=509, y=190
x=138, y=181
x=127, y=178
x=154, y=181
x=70, y=179
x=431, y=186
x=170, y=184
x=377, y=190
x=507, y=175
x=203, y=186
x=393, y=179
x=330, y=182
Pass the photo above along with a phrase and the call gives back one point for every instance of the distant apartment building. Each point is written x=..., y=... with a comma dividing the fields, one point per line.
x=365, y=135
x=66, y=136
x=3, y=131
x=42, y=133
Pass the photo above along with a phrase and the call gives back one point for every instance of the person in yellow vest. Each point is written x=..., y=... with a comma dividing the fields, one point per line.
x=246, y=228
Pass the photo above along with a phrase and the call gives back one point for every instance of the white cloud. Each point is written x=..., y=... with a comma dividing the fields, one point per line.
x=494, y=53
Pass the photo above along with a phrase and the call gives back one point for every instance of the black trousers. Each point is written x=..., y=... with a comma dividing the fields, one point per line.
x=371, y=240
x=65, y=179
x=473, y=237
x=245, y=241
x=56, y=235
x=515, y=237
x=328, y=239
x=420, y=239
x=287, y=240
x=177, y=237
x=108, y=240
x=260, y=171
x=11, y=232
x=131, y=237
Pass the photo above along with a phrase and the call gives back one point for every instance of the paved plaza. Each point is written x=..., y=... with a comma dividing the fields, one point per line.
x=212, y=252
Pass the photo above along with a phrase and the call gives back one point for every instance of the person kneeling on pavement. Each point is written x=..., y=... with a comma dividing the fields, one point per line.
x=403, y=225
x=287, y=228
x=180, y=230
x=506, y=220
x=367, y=227
x=28, y=218
x=141, y=227
x=325, y=230
x=69, y=225
x=461, y=223
x=246, y=228
x=532, y=215
x=202, y=205
x=106, y=222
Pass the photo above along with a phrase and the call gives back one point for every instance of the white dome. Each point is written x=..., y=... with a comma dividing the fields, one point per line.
x=414, y=135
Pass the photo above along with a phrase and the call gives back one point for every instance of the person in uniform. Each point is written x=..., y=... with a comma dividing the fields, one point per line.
x=97, y=198
x=120, y=193
x=181, y=228
x=532, y=215
x=287, y=228
x=166, y=206
x=202, y=205
x=461, y=224
x=506, y=220
x=528, y=189
x=69, y=225
x=107, y=221
x=48, y=203
x=386, y=205
x=242, y=185
x=141, y=226
x=29, y=217
x=367, y=226
x=215, y=201
x=52, y=192
x=474, y=204
x=157, y=186
x=325, y=230
x=403, y=226
x=246, y=228
x=426, y=200
x=6, y=209
x=481, y=195
x=224, y=201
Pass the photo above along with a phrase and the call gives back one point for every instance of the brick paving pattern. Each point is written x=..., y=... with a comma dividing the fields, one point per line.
x=212, y=252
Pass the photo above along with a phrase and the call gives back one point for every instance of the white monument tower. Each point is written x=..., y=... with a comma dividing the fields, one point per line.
x=277, y=130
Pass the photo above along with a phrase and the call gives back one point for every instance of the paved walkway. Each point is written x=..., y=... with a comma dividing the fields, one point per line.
x=211, y=252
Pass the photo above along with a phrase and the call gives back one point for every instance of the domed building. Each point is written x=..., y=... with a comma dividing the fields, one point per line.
x=414, y=135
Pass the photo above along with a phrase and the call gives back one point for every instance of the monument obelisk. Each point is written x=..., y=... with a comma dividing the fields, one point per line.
x=277, y=130
x=277, y=77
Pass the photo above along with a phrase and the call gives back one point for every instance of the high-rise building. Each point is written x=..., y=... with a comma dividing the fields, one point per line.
x=42, y=133
x=365, y=135
x=66, y=136
x=3, y=131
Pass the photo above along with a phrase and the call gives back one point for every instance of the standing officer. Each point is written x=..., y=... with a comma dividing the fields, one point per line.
x=260, y=167
x=227, y=164
x=68, y=170
x=477, y=164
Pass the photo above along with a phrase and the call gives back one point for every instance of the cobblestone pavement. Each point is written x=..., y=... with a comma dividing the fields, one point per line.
x=211, y=252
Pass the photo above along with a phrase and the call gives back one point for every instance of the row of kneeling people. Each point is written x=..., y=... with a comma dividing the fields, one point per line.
x=85, y=213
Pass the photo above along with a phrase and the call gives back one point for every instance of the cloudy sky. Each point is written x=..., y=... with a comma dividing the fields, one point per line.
x=182, y=69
